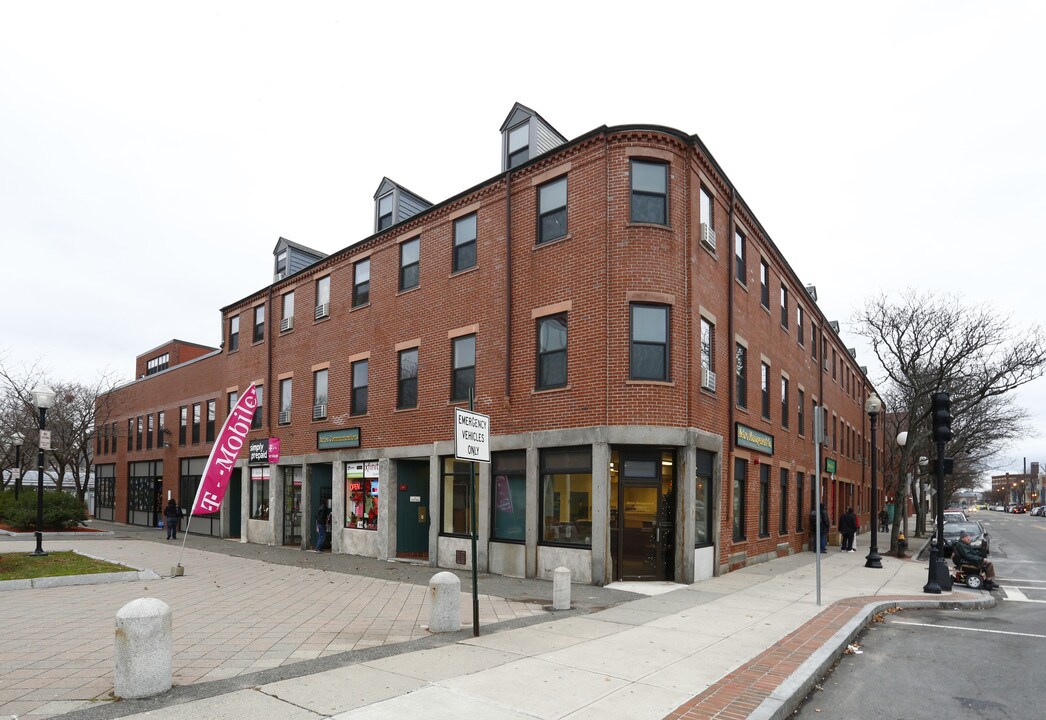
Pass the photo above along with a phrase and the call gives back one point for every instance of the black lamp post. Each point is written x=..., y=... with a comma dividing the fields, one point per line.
x=17, y=439
x=872, y=406
x=43, y=396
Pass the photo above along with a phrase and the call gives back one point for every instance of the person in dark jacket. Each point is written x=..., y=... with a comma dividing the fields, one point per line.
x=825, y=524
x=848, y=528
x=968, y=554
x=884, y=521
x=171, y=517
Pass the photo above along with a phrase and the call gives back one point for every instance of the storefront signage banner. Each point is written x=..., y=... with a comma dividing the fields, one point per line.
x=334, y=439
x=218, y=470
x=829, y=466
x=258, y=452
x=274, y=450
x=753, y=439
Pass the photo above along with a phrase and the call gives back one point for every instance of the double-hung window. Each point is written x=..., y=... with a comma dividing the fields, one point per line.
x=799, y=324
x=648, y=357
x=518, y=145
x=286, y=390
x=464, y=243
x=764, y=386
x=741, y=374
x=801, y=411
x=259, y=323
x=361, y=283
x=359, y=387
x=764, y=284
x=195, y=423
x=287, y=319
x=234, y=333
x=552, y=210
x=784, y=402
x=552, y=351
x=410, y=263
x=784, y=306
x=256, y=419
x=319, y=395
x=385, y=205
x=740, y=259
x=464, y=363
x=323, y=297
x=649, y=192
x=407, y=390
x=707, y=354
x=212, y=413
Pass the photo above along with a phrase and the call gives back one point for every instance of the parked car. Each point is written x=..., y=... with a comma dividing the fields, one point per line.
x=978, y=536
x=955, y=516
x=1017, y=509
x=1037, y=510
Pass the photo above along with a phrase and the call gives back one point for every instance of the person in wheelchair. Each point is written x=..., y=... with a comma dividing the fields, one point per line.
x=966, y=554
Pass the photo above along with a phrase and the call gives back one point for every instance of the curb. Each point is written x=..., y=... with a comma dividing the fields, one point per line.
x=783, y=701
x=131, y=575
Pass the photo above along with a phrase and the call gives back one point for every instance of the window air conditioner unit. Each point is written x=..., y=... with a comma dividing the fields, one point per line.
x=319, y=411
x=286, y=324
x=278, y=276
x=322, y=310
x=708, y=236
x=285, y=417
x=707, y=379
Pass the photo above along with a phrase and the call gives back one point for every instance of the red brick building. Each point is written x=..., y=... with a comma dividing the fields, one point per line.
x=649, y=361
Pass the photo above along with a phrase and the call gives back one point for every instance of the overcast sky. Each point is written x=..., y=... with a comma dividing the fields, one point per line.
x=883, y=146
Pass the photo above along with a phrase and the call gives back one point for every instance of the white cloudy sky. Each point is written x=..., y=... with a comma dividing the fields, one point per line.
x=883, y=145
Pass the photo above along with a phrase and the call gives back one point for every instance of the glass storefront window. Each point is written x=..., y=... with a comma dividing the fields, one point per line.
x=509, y=496
x=703, y=500
x=566, y=496
x=260, y=493
x=456, y=498
x=361, y=495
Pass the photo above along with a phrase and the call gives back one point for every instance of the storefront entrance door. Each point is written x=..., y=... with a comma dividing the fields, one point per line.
x=642, y=512
x=412, y=512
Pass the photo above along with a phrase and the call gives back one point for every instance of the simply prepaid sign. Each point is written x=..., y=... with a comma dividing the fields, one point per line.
x=471, y=436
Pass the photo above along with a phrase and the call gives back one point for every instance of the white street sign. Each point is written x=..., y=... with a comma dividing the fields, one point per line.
x=471, y=436
x=45, y=439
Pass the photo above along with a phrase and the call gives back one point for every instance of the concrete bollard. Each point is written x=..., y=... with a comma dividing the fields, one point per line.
x=444, y=603
x=143, y=648
x=561, y=588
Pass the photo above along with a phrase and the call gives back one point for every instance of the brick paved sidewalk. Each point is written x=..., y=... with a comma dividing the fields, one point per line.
x=741, y=693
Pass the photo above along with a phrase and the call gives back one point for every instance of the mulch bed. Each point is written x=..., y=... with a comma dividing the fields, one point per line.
x=78, y=529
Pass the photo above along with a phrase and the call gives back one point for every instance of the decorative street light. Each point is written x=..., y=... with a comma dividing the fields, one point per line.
x=17, y=439
x=43, y=396
x=872, y=406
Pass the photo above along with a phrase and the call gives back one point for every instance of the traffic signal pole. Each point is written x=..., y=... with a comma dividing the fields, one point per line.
x=940, y=415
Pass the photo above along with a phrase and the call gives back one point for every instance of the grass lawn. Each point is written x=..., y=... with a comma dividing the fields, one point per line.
x=25, y=566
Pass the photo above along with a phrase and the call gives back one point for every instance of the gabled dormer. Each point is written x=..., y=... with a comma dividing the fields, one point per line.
x=394, y=203
x=290, y=257
x=524, y=136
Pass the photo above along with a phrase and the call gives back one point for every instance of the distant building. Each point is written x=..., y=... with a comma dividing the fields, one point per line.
x=650, y=362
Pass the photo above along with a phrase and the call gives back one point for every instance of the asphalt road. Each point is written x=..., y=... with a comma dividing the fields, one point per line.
x=959, y=665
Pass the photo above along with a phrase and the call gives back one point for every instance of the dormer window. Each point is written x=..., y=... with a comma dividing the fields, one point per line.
x=518, y=145
x=385, y=205
x=281, y=264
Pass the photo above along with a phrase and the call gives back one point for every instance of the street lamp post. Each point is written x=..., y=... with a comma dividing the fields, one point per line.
x=43, y=396
x=17, y=439
x=872, y=406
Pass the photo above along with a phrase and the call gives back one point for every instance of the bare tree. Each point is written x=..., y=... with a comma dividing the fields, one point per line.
x=929, y=343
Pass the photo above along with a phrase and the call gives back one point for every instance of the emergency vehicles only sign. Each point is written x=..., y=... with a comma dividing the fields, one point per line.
x=471, y=436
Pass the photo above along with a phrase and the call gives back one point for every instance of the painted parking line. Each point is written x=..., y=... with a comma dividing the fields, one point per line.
x=967, y=629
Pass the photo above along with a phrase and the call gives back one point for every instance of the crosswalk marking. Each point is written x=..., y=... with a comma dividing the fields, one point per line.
x=1013, y=593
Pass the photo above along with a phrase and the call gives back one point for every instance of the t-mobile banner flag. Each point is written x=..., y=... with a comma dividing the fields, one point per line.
x=218, y=470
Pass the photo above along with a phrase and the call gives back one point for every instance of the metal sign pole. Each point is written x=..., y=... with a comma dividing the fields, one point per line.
x=475, y=536
x=818, y=434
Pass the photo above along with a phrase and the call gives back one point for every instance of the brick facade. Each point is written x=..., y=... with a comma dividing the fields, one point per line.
x=604, y=263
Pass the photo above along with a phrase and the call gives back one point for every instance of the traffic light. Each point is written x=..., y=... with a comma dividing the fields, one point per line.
x=941, y=416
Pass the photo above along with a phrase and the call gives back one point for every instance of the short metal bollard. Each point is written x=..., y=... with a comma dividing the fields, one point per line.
x=143, y=648
x=444, y=603
x=561, y=588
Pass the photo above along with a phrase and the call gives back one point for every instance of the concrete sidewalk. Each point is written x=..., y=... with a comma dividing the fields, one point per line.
x=747, y=644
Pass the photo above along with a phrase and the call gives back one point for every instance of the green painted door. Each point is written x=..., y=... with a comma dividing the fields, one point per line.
x=412, y=509
x=319, y=492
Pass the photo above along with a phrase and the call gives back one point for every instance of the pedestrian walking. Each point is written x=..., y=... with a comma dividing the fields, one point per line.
x=825, y=523
x=848, y=528
x=884, y=520
x=172, y=516
x=323, y=523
